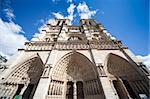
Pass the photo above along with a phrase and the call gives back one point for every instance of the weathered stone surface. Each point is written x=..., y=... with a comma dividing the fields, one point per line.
x=74, y=62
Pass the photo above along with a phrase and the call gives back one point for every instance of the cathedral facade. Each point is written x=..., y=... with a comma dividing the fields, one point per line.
x=74, y=62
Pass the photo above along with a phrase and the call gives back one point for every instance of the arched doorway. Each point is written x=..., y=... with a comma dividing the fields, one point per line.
x=126, y=78
x=23, y=79
x=79, y=75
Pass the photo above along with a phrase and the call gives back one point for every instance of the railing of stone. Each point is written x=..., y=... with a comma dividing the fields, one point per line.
x=41, y=46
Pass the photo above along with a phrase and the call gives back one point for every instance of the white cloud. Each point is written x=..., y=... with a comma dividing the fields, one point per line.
x=50, y=21
x=70, y=11
x=82, y=8
x=58, y=15
x=71, y=8
x=9, y=14
x=84, y=11
x=145, y=60
x=10, y=37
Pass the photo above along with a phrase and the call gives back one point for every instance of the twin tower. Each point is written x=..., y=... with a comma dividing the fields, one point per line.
x=74, y=62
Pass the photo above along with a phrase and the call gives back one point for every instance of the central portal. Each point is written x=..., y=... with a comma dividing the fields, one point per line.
x=79, y=76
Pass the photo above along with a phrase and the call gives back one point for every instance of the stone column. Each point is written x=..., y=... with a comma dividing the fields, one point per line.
x=64, y=90
x=74, y=90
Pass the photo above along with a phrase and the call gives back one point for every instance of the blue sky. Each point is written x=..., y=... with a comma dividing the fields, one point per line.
x=127, y=20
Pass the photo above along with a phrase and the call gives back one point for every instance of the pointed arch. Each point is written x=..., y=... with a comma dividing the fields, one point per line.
x=24, y=68
x=120, y=67
x=71, y=69
x=75, y=65
x=25, y=75
x=128, y=77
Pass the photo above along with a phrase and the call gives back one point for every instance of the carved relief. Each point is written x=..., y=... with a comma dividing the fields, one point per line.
x=67, y=69
x=22, y=76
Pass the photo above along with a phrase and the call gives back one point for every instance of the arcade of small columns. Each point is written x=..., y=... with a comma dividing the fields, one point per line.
x=59, y=89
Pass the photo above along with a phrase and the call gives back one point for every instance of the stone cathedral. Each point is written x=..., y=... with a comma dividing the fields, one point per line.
x=74, y=62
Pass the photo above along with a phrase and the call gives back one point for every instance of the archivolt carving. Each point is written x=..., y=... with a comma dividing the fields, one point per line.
x=130, y=78
x=74, y=66
x=120, y=67
x=26, y=70
x=25, y=73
